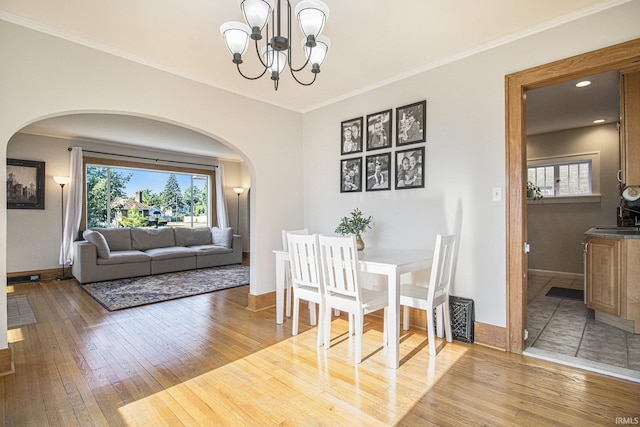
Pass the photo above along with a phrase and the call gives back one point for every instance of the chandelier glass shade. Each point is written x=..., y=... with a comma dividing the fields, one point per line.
x=276, y=53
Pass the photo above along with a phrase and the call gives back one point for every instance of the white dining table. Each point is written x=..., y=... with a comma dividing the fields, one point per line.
x=391, y=263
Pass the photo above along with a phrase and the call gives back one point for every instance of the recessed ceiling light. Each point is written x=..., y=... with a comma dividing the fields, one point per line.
x=599, y=121
x=583, y=83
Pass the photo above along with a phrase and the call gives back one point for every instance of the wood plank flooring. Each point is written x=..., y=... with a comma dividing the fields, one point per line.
x=207, y=360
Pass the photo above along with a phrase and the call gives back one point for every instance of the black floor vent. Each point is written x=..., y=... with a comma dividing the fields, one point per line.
x=462, y=318
x=23, y=279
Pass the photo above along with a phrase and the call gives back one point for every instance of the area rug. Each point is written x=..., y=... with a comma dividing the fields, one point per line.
x=125, y=293
x=566, y=293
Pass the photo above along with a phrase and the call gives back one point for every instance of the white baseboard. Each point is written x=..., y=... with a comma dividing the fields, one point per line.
x=563, y=274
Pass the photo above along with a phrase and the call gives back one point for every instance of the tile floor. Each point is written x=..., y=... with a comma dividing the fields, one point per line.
x=19, y=311
x=568, y=328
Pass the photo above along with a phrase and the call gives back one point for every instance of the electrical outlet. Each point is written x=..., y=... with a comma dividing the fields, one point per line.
x=496, y=194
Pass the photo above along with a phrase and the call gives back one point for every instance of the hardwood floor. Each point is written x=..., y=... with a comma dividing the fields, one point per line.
x=207, y=360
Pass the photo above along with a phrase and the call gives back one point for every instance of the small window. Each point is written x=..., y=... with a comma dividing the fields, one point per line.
x=568, y=176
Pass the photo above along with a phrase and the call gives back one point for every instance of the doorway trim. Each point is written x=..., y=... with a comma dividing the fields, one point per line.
x=617, y=57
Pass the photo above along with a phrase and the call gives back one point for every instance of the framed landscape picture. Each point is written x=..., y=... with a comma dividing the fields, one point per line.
x=351, y=175
x=351, y=136
x=379, y=130
x=410, y=123
x=410, y=168
x=25, y=184
x=378, y=167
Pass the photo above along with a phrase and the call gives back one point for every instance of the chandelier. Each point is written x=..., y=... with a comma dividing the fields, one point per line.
x=275, y=54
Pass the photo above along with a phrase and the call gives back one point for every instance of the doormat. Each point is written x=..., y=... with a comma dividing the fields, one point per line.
x=566, y=293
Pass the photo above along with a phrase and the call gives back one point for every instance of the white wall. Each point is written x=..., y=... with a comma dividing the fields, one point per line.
x=465, y=154
x=42, y=76
x=556, y=231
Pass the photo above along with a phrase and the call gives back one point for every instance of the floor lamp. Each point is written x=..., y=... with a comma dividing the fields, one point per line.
x=238, y=191
x=62, y=180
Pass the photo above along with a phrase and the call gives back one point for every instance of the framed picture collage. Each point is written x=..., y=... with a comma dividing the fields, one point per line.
x=368, y=158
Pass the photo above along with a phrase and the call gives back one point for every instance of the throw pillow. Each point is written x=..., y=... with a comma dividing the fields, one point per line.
x=222, y=236
x=99, y=241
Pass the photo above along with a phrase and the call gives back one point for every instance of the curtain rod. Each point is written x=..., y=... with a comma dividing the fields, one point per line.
x=146, y=158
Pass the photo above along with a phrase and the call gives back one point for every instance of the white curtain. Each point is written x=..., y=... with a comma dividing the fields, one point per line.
x=221, y=203
x=73, y=212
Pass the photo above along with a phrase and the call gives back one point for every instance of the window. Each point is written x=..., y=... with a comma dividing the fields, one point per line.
x=567, y=176
x=135, y=197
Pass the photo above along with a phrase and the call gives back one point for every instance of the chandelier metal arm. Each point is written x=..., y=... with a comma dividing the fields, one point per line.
x=315, y=75
x=251, y=78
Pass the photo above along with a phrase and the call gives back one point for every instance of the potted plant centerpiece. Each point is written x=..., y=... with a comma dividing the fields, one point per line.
x=355, y=224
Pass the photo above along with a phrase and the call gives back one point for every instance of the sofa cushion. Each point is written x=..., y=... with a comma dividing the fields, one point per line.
x=192, y=236
x=125, y=257
x=149, y=238
x=119, y=239
x=222, y=236
x=99, y=241
x=159, y=254
x=211, y=249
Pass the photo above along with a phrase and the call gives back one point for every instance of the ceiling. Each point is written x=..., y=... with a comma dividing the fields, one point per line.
x=373, y=43
x=565, y=106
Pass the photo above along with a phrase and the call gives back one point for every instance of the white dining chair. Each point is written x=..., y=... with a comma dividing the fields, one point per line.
x=287, y=276
x=343, y=290
x=435, y=296
x=306, y=279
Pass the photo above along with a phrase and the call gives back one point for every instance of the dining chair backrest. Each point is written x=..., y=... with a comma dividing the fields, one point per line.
x=339, y=257
x=285, y=244
x=442, y=268
x=305, y=261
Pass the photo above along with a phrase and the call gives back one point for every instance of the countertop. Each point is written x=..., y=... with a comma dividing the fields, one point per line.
x=614, y=232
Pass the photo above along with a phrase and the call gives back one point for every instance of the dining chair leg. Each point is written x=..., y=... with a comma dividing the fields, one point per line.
x=351, y=320
x=321, y=323
x=312, y=313
x=439, y=321
x=447, y=322
x=327, y=327
x=296, y=313
x=359, y=320
x=288, y=295
x=431, y=332
x=405, y=317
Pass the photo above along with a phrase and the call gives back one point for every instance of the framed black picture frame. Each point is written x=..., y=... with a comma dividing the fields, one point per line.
x=25, y=184
x=351, y=136
x=411, y=123
x=379, y=130
x=410, y=168
x=378, y=172
x=351, y=175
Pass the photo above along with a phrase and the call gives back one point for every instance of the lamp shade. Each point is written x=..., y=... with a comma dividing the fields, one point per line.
x=311, y=15
x=238, y=190
x=275, y=59
x=62, y=180
x=317, y=54
x=236, y=36
x=256, y=12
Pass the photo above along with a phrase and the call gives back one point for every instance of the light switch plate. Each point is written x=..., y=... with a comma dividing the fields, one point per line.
x=496, y=194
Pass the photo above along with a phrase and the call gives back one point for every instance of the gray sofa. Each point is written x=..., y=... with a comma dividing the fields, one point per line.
x=117, y=253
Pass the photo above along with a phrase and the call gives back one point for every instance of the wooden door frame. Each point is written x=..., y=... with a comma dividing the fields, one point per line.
x=617, y=57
